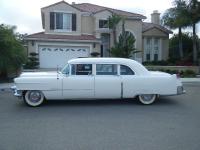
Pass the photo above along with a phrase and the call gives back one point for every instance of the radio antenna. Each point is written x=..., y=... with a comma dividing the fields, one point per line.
x=57, y=72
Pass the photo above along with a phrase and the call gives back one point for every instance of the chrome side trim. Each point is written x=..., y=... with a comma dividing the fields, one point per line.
x=122, y=87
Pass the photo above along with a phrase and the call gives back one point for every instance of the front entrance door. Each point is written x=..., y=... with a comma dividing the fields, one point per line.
x=105, y=39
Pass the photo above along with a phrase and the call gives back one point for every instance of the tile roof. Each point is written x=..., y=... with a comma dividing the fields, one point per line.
x=42, y=35
x=148, y=26
x=92, y=8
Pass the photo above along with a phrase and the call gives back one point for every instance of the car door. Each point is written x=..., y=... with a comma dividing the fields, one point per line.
x=129, y=82
x=79, y=84
x=107, y=81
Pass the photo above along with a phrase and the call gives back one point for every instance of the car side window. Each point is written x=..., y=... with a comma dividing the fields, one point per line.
x=65, y=70
x=81, y=69
x=125, y=70
x=106, y=69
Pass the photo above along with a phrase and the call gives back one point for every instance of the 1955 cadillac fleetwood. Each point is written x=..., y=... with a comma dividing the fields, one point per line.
x=96, y=78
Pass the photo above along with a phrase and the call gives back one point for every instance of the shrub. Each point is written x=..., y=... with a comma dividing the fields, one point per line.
x=183, y=73
x=32, y=61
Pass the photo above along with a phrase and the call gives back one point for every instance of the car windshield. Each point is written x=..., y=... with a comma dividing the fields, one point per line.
x=65, y=70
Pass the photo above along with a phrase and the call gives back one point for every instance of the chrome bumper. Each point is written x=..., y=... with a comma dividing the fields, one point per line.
x=16, y=92
x=180, y=90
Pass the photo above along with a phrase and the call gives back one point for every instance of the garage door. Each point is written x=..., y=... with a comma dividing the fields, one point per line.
x=51, y=57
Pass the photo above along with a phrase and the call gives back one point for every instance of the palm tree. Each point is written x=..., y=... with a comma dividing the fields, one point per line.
x=194, y=18
x=112, y=23
x=175, y=18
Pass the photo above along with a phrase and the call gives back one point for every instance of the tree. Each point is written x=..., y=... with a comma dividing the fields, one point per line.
x=187, y=47
x=21, y=38
x=194, y=17
x=175, y=17
x=112, y=24
x=125, y=47
x=11, y=51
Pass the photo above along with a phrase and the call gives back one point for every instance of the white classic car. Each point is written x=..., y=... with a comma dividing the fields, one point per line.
x=96, y=78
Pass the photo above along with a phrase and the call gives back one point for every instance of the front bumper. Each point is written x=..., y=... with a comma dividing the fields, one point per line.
x=16, y=92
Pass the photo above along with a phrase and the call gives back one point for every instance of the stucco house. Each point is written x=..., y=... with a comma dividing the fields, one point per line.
x=77, y=30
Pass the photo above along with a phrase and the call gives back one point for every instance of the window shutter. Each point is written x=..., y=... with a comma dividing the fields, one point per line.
x=52, y=21
x=73, y=22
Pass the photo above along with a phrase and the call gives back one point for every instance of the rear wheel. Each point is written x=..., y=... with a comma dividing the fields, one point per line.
x=34, y=98
x=147, y=99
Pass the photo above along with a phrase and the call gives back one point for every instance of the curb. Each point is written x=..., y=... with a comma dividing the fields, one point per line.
x=5, y=87
x=5, y=90
x=190, y=80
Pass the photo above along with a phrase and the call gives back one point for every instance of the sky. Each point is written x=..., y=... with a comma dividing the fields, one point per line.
x=26, y=15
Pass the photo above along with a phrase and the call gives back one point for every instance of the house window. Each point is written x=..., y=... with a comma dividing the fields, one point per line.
x=148, y=49
x=155, y=57
x=62, y=21
x=103, y=23
x=156, y=49
x=148, y=57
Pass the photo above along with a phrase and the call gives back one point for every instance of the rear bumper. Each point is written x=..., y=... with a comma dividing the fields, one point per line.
x=180, y=90
x=16, y=92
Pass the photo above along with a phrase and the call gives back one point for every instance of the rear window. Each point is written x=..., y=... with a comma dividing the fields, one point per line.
x=125, y=70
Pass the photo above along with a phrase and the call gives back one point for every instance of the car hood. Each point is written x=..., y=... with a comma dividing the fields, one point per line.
x=38, y=74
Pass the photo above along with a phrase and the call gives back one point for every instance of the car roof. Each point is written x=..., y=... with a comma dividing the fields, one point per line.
x=101, y=60
x=138, y=68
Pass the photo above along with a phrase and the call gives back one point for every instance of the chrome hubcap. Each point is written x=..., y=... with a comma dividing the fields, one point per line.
x=34, y=96
x=147, y=97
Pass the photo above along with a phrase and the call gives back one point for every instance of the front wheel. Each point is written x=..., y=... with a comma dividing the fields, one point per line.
x=147, y=99
x=34, y=98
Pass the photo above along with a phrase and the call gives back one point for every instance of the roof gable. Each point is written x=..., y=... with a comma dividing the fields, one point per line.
x=150, y=26
x=62, y=3
x=92, y=8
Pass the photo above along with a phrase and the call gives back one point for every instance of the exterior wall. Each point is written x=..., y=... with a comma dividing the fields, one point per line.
x=163, y=41
x=135, y=27
x=165, y=48
x=87, y=25
x=62, y=7
x=97, y=48
x=31, y=47
x=98, y=16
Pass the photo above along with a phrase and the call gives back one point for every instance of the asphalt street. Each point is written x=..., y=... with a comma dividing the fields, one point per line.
x=172, y=123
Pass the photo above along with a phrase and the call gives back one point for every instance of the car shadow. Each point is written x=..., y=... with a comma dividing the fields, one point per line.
x=108, y=102
x=162, y=101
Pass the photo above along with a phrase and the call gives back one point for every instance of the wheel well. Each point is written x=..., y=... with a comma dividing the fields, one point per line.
x=24, y=92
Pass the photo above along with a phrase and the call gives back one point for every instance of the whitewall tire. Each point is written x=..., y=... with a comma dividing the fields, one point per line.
x=147, y=99
x=34, y=98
